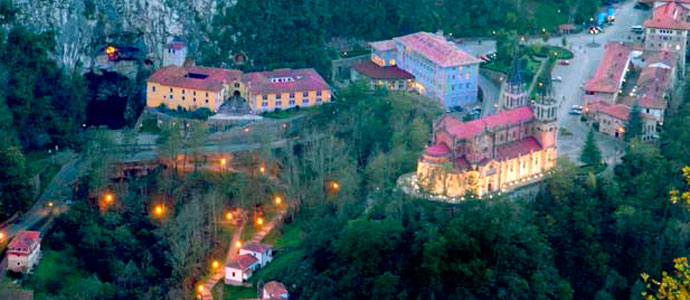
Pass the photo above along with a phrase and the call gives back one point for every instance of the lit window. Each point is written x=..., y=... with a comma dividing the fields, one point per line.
x=392, y=62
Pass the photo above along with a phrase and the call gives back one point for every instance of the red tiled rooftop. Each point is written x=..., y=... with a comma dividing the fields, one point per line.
x=175, y=76
x=260, y=83
x=517, y=148
x=465, y=130
x=374, y=71
x=654, y=81
x=242, y=262
x=275, y=290
x=383, y=45
x=440, y=149
x=669, y=16
x=25, y=239
x=611, y=69
x=437, y=49
x=256, y=247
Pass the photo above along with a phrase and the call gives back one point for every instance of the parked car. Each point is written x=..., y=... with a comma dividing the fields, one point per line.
x=456, y=108
x=575, y=106
x=557, y=79
x=573, y=111
x=564, y=62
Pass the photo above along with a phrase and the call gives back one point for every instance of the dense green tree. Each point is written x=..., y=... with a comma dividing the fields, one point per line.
x=635, y=125
x=15, y=190
x=590, y=155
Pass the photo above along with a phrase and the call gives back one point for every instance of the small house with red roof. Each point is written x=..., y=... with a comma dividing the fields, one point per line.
x=441, y=70
x=240, y=268
x=612, y=119
x=174, y=53
x=610, y=74
x=24, y=251
x=390, y=78
x=491, y=154
x=262, y=252
x=274, y=290
x=668, y=28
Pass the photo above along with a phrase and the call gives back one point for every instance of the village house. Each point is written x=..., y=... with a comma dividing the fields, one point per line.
x=174, y=53
x=441, y=70
x=612, y=119
x=274, y=290
x=262, y=252
x=656, y=82
x=24, y=251
x=608, y=79
x=668, y=28
x=240, y=269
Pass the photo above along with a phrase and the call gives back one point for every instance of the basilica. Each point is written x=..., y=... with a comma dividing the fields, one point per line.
x=496, y=153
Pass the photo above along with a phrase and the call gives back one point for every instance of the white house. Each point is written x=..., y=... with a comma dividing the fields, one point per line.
x=262, y=252
x=24, y=251
x=274, y=290
x=174, y=53
x=240, y=269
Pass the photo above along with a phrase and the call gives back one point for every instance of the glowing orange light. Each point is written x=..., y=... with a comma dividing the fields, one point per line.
x=238, y=244
x=260, y=221
x=222, y=161
x=108, y=198
x=159, y=210
x=200, y=288
x=110, y=50
x=335, y=185
x=278, y=200
x=2, y=235
x=262, y=169
x=228, y=216
x=215, y=264
x=50, y=204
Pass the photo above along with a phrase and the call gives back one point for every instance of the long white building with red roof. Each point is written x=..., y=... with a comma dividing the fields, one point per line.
x=24, y=251
x=491, y=154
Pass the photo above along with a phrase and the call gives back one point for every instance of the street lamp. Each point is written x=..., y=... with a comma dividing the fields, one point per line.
x=200, y=288
x=159, y=210
x=238, y=244
x=228, y=216
x=215, y=264
x=262, y=169
x=335, y=186
x=222, y=162
x=108, y=198
x=259, y=221
x=278, y=200
x=2, y=236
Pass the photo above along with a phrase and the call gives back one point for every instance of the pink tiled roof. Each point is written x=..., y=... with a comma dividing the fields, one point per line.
x=465, y=130
x=259, y=83
x=669, y=16
x=517, y=148
x=256, y=247
x=611, y=69
x=437, y=49
x=175, y=45
x=374, y=71
x=275, y=290
x=242, y=262
x=383, y=45
x=440, y=149
x=25, y=239
x=175, y=76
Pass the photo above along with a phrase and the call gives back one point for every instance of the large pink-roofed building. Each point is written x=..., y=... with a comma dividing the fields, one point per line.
x=284, y=89
x=491, y=154
x=441, y=70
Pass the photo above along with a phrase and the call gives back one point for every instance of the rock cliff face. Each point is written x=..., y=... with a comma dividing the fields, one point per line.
x=83, y=27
